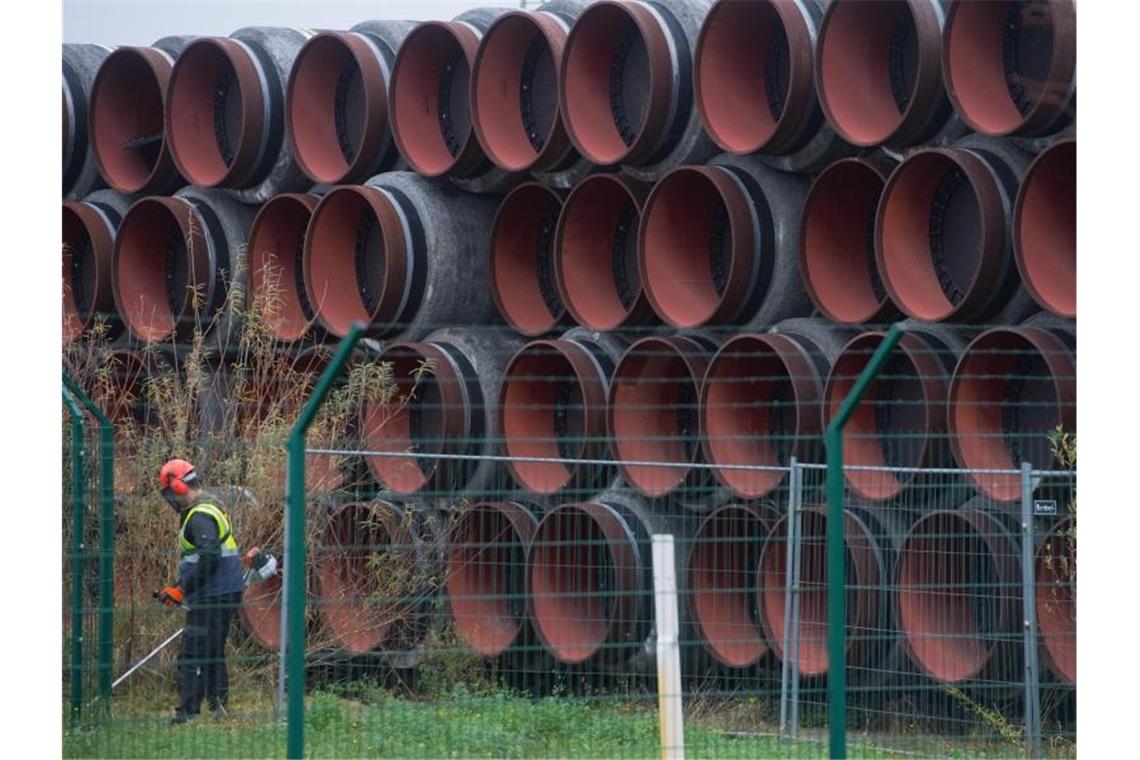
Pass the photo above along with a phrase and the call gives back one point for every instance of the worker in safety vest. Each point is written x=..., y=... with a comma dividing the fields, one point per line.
x=209, y=587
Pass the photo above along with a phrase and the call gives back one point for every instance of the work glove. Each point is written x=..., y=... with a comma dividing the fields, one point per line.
x=171, y=596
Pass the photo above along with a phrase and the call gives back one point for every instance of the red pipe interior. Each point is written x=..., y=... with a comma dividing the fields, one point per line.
x=1057, y=600
x=276, y=238
x=192, y=103
x=522, y=252
x=128, y=104
x=148, y=237
x=1046, y=229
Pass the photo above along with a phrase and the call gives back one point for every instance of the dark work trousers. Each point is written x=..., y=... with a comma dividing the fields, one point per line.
x=202, y=662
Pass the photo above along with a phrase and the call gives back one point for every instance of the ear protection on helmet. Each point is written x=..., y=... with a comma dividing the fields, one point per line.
x=180, y=485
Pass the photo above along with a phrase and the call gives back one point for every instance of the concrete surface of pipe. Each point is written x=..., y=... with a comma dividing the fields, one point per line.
x=1011, y=66
x=753, y=73
x=128, y=124
x=430, y=103
x=1045, y=229
x=276, y=266
x=943, y=239
x=553, y=405
x=395, y=252
x=878, y=72
x=80, y=171
x=89, y=229
x=1056, y=579
x=450, y=408
x=225, y=113
x=760, y=402
x=595, y=254
x=177, y=261
x=522, y=260
x=1012, y=387
x=336, y=103
x=718, y=244
x=839, y=225
x=514, y=93
x=626, y=86
x=901, y=421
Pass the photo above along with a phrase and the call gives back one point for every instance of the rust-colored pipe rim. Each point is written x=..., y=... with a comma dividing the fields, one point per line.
x=838, y=222
x=1057, y=599
x=1045, y=229
x=428, y=414
x=603, y=35
x=486, y=567
x=750, y=380
x=261, y=611
x=865, y=572
x=522, y=259
x=940, y=235
x=552, y=405
x=88, y=246
x=154, y=230
x=653, y=413
x=436, y=56
x=351, y=224
x=899, y=419
x=1021, y=372
x=953, y=565
x=276, y=264
x=595, y=253
x=753, y=75
x=980, y=38
x=514, y=92
x=206, y=155
x=862, y=84
x=128, y=129
x=358, y=615
x=721, y=570
x=337, y=107
x=697, y=247
x=574, y=547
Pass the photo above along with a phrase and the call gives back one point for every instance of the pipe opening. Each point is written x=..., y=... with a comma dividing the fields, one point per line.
x=80, y=274
x=522, y=251
x=1056, y=574
x=276, y=260
x=127, y=118
x=152, y=266
x=1045, y=229
x=261, y=610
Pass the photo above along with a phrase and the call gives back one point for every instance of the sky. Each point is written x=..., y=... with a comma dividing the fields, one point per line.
x=141, y=22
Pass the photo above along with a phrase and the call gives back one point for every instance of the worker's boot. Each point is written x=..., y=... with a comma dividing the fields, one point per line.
x=181, y=717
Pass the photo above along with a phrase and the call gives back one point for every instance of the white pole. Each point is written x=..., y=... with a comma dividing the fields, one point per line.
x=669, y=705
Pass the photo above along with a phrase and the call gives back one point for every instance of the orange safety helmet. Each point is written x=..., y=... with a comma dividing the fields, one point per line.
x=177, y=477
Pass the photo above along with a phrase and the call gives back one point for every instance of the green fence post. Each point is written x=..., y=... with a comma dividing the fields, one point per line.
x=293, y=603
x=836, y=571
x=78, y=497
x=106, y=538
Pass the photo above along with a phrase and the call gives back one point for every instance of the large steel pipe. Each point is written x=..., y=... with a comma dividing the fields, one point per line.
x=626, y=85
x=375, y=573
x=89, y=229
x=837, y=242
x=1012, y=387
x=225, y=113
x=514, y=92
x=959, y=597
x=276, y=253
x=1011, y=66
x=653, y=417
x=80, y=171
x=760, y=403
x=942, y=234
x=721, y=579
x=718, y=244
x=128, y=123
x=878, y=71
x=553, y=406
x=446, y=389
x=901, y=420
x=1045, y=229
x=176, y=263
x=590, y=579
x=1056, y=579
x=431, y=102
x=337, y=102
x=753, y=71
x=595, y=253
x=486, y=575
x=395, y=253
x=522, y=260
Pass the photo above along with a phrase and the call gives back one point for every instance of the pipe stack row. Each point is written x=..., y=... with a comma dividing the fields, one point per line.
x=645, y=248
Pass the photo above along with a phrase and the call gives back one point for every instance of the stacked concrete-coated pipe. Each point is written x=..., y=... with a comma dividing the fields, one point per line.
x=80, y=66
x=89, y=230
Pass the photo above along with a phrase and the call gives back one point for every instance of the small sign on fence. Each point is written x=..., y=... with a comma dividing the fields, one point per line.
x=1044, y=506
